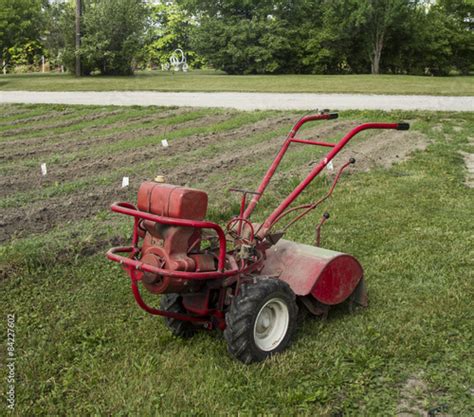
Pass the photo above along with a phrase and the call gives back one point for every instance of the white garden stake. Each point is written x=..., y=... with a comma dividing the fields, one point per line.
x=125, y=182
x=44, y=170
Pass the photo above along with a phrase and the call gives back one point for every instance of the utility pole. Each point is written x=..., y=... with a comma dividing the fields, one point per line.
x=78, y=37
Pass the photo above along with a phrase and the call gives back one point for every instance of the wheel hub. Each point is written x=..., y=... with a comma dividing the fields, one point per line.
x=271, y=324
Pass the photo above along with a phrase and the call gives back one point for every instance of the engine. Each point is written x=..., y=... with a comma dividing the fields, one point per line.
x=175, y=248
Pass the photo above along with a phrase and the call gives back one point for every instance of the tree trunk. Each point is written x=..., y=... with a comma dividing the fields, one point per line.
x=377, y=52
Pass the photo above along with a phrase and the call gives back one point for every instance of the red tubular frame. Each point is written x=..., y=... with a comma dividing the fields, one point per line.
x=155, y=311
x=140, y=266
x=135, y=267
x=315, y=171
x=290, y=138
x=130, y=210
x=309, y=207
x=133, y=264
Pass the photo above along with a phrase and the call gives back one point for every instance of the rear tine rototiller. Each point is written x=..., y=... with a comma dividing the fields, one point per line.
x=243, y=279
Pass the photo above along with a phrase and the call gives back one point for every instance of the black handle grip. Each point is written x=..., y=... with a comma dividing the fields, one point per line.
x=403, y=126
x=329, y=114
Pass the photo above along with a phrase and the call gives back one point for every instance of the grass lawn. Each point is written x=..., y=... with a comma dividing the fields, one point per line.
x=83, y=347
x=217, y=81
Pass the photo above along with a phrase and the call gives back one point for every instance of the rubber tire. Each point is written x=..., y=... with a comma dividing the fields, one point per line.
x=179, y=328
x=243, y=312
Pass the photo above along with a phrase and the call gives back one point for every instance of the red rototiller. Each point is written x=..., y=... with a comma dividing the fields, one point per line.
x=244, y=279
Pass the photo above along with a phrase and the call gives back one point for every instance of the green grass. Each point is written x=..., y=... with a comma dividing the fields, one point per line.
x=84, y=348
x=217, y=81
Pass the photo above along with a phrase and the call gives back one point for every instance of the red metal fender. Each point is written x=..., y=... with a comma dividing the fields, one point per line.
x=329, y=276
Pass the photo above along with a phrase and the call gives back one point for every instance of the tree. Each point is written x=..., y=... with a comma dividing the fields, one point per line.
x=246, y=37
x=112, y=36
x=460, y=23
x=381, y=17
x=244, y=46
x=20, y=29
x=59, y=32
x=170, y=28
x=434, y=39
x=334, y=44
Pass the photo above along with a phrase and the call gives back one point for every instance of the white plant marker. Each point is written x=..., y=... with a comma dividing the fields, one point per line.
x=164, y=143
x=330, y=166
x=125, y=182
x=44, y=170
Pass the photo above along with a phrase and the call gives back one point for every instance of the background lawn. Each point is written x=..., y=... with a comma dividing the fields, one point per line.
x=217, y=81
x=84, y=348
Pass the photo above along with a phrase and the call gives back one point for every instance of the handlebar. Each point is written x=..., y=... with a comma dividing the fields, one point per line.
x=290, y=138
x=310, y=118
x=316, y=170
x=403, y=126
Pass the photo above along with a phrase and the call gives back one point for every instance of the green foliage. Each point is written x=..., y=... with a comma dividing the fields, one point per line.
x=333, y=44
x=245, y=36
x=432, y=41
x=381, y=17
x=59, y=32
x=169, y=28
x=20, y=28
x=335, y=36
x=245, y=46
x=26, y=54
x=461, y=26
x=249, y=37
x=112, y=35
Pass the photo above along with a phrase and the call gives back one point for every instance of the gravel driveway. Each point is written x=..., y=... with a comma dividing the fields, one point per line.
x=245, y=101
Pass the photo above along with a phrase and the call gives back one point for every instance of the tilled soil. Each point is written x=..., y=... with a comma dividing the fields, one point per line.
x=384, y=149
x=22, y=120
x=90, y=165
x=40, y=216
x=59, y=124
x=47, y=144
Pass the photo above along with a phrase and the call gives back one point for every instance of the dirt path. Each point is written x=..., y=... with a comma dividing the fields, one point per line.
x=246, y=101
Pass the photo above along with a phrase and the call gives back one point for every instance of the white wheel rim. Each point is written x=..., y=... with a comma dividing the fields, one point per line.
x=271, y=324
